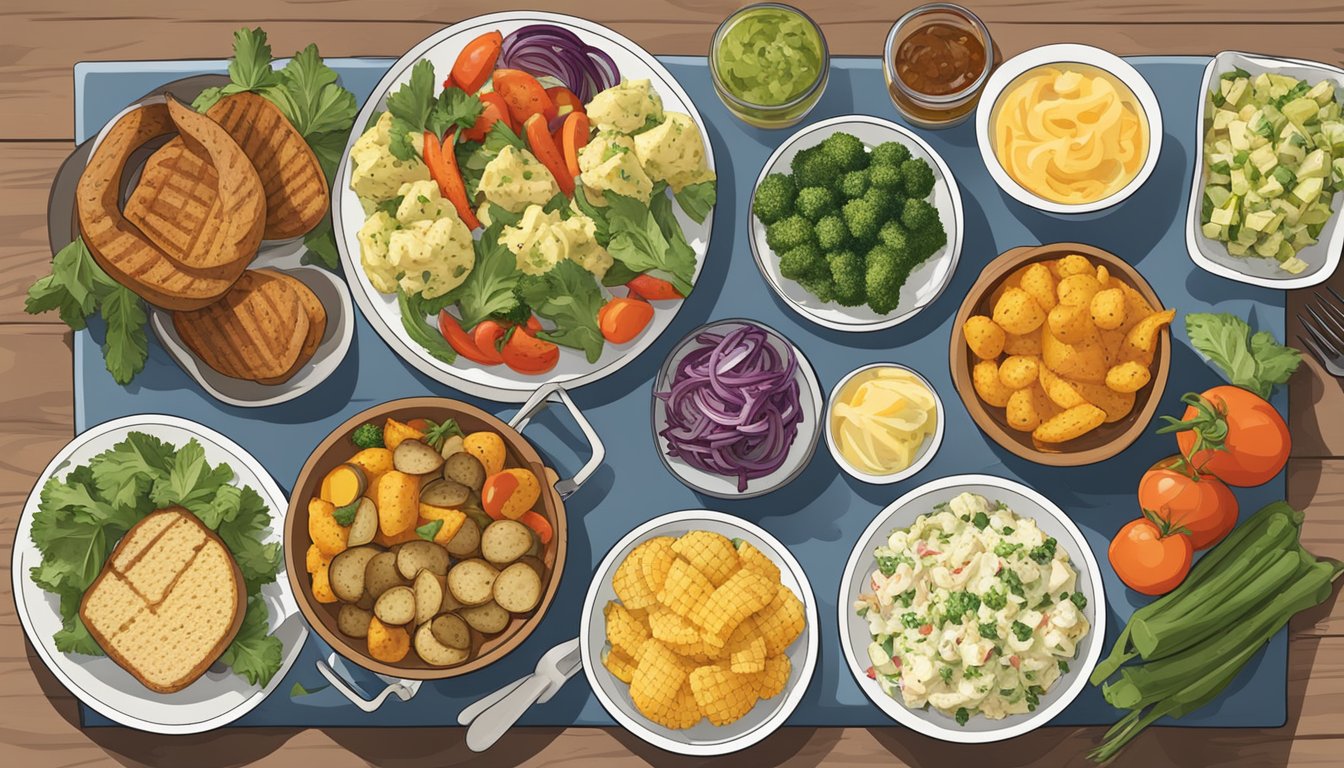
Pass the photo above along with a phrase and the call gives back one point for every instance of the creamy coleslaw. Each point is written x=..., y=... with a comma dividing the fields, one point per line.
x=973, y=611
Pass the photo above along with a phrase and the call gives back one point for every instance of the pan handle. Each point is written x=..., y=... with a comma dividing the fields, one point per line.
x=556, y=393
x=402, y=689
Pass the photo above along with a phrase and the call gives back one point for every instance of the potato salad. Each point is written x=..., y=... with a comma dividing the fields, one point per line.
x=973, y=611
x=515, y=208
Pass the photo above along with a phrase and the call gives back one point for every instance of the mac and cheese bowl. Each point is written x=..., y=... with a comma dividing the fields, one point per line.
x=1069, y=129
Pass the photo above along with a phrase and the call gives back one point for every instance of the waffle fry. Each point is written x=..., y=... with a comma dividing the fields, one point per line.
x=771, y=682
x=656, y=558
x=621, y=666
x=782, y=621
x=629, y=583
x=657, y=679
x=623, y=632
x=755, y=560
x=686, y=590
x=743, y=594
x=672, y=629
x=748, y=657
x=722, y=695
x=709, y=553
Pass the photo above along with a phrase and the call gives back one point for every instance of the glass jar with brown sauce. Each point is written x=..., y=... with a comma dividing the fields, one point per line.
x=936, y=61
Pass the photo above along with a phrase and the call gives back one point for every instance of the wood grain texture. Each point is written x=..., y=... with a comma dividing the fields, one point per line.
x=41, y=41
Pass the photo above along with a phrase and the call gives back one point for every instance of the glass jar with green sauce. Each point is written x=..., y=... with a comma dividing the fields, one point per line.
x=769, y=64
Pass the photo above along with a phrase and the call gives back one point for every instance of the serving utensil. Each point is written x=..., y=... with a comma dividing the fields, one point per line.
x=1325, y=331
x=490, y=717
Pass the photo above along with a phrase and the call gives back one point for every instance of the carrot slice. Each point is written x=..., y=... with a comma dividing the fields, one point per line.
x=653, y=288
x=543, y=146
x=622, y=319
x=574, y=137
x=475, y=62
x=442, y=164
x=539, y=525
x=460, y=340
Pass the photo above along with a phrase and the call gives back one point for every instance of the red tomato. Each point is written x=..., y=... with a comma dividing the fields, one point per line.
x=419, y=425
x=1201, y=504
x=653, y=288
x=565, y=100
x=1233, y=434
x=1149, y=557
x=543, y=146
x=476, y=60
x=493, y=111
x=487, y=336
x=622, y=319
x=524, y=95
x=460, y=340
x=525, y=353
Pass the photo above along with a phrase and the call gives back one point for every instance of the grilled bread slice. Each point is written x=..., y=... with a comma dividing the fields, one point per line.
x=201, y=265
x=257, y=331
x=296, y=189
x=168, y=601
x=317, y=323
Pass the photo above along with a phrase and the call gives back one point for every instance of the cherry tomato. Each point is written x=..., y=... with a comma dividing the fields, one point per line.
x=1202, y=504
x=622, y=319
x=419, y=425
x=1150, y=557
x=487, y=336
x=460, y=340
x=524, y=95
x=476, y=60
x=653, y=288
x=1233, y=434
x=493, y=110
x=525, y=353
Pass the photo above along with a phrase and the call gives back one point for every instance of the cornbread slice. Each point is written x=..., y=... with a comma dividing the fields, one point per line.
x=168, y=602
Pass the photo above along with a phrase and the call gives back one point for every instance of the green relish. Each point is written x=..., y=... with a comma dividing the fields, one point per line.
x=769, y=56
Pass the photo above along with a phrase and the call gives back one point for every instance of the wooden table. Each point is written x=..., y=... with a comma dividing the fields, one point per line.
x=40, y=40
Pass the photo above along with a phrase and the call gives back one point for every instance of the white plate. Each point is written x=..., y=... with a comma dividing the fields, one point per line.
x=1025, y=502
x=1066, y=53
x=927, y=449
x=1210, y=255
x=810, y=400
x=923, y=286
x=282, y=255
x=329, y=288
x=498, y=382
x=704, y=739
x=219, y=697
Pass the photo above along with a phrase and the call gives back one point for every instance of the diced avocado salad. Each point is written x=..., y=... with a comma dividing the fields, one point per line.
x=850, y=224
x=1274, y=155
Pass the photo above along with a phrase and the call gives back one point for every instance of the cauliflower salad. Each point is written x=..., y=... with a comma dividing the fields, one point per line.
x=973, y=611
x=508, y=200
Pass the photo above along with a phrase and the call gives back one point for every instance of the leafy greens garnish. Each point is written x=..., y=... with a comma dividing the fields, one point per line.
x=81, y=517
x=1251, y=360
x=568, y=296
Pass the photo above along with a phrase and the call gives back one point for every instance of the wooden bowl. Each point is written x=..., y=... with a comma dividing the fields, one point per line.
x=1104, y=441
x=335, y=450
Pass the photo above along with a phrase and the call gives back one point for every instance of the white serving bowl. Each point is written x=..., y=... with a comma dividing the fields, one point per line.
x=922, y=457
x=1025, y=502
x=1210, y=255
x=925, y=283
x=704, y=739
x=1065, y=53
x=810, y=400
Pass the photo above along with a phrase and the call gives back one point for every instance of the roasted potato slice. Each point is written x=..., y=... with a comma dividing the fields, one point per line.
x=449, y=494
x=466, y=469
x=419, y=555
x=471, y=581
x=452, y=631
x=467, y=541
x=381, y=574
x=347, y=573
x=396, y=606
x=415, y=457
x=428, y=596
x=517, y=589
x=487, y=619
x=365, y=525
x=504, y=541
x=353, y=621
x=435, y=653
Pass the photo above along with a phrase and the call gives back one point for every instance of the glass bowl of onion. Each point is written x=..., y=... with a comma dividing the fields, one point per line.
x=737, y=410
x=884, y=423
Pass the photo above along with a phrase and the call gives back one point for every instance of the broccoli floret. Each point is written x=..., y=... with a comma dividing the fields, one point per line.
x=893, y=235
x=891, y=153
x=803, y=262
x=774, y=198
x=814, y=167
x=926, y=242
x=917, y=215
x=368, y=436
x=888, y=202
x=885, y=274
x=918, y=178
x=886, y=177
x=788, y=233
x=822, y=287
x=853, y=184
x=832, y=232
x=815, y=202
x=848, y=277
x=862, y=219
x=846, y=150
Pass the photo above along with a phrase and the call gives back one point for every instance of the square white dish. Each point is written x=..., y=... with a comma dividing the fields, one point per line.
x=1210, y=255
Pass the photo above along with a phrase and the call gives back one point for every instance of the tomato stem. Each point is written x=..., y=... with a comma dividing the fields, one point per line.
x=1165, y=527
x=1209, y=425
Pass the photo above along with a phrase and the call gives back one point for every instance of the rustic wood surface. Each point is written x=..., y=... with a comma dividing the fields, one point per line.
x=41, y=40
